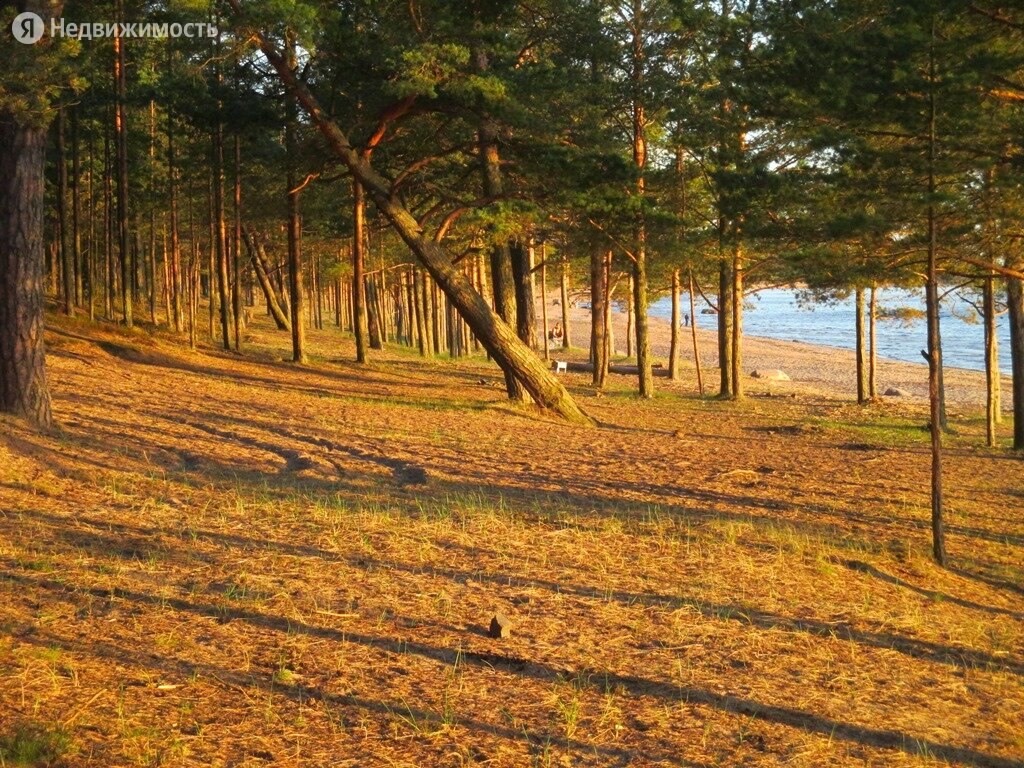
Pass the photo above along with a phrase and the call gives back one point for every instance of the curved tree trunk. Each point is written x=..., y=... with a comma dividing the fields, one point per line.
x=497, y=337
x=263, y=277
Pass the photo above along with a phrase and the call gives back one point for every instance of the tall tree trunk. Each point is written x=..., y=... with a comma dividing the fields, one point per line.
x=358, y=271
x=673, y=353
x=544, y=298
x=1015, y=300
x=639, y=283
x=151, y=260
x=725, y=336
x=121, y=150
x=236, y=245
x=693, y=333
x=23, y=387
x=565, y=304
x=737, y=322
x=294, y=253
x=108, y=229
x=526, y=313
x=934, y=338
x=66, y=256
x=172, y=188
x=76, y=208
x=422, y=334
x=862, y=372
x=991, y=359
x=873, y=360
x=598, y=329
x=630, y=334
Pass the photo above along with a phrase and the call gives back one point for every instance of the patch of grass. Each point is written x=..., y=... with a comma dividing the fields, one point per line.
x=34, y=746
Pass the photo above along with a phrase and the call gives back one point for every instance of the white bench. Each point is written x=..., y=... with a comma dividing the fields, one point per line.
x=561, y=366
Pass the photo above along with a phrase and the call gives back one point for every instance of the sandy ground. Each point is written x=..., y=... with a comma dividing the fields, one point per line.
x=827, y=370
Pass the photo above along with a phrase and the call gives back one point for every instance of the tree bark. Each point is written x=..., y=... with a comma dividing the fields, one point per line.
x=526, y=311
x=294, y=253
x=598, y=329
x=673, y=354
x=23, y=387
x=862, y=382
x=1015, y=299
x=737, y=322
x=991, y=359
x=544, y=299
x=66, y=257
x=121, y=151
x=361, y=324
x=934, y=338
x=873, y=359
x=565, y=303
x=725, y=337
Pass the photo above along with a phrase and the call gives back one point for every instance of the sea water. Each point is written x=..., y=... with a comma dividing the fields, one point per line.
x=778, y=313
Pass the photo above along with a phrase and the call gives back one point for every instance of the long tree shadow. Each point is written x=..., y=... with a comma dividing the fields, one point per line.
x=737, y=612
x=545, y=672
x=302, y=693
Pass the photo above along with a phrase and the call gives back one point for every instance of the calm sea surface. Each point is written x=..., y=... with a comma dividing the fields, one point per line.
x=775, y=313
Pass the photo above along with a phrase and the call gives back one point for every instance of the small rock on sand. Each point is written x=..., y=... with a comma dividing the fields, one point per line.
x=500, y=626
x=770, y=374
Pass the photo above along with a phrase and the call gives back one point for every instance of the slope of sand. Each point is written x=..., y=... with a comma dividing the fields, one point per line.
x=829, y=370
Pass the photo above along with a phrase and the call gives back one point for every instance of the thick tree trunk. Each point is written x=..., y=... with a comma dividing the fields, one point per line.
x=862, y=371
x=725, y=337
x=1015, y=300
x=23, y=388
x=526, y=311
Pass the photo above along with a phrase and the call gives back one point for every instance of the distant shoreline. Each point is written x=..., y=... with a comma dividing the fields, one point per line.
x=824, y=368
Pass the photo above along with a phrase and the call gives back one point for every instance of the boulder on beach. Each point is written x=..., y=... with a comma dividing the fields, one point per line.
x=770, y=374
x=894, y=392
